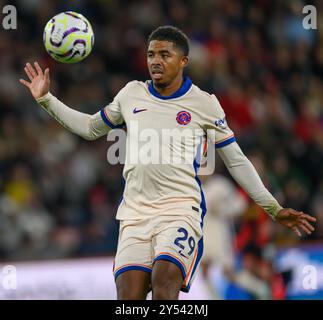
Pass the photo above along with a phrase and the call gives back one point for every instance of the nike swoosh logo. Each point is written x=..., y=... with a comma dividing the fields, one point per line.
x=139, y=110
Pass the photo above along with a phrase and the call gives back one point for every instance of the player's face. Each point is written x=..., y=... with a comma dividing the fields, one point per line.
x=165, y=63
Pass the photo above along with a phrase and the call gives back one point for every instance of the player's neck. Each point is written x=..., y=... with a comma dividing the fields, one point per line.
x=171, y=88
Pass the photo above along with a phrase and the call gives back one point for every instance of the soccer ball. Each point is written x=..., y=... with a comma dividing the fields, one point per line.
x=68, y=37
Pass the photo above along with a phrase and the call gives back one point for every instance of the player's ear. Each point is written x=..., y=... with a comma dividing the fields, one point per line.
x=184, y=61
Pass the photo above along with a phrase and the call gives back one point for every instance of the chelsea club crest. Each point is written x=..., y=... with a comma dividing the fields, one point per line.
x=183, y=118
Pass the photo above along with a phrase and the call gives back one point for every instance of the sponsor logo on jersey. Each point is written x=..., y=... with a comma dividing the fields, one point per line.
x=222, y=123
x=183, y=118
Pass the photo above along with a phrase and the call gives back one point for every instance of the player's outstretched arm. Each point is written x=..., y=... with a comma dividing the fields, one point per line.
x=89, y=127
x=246, y=175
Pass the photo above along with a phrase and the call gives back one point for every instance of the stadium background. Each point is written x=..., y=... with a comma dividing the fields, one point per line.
x=58, y=194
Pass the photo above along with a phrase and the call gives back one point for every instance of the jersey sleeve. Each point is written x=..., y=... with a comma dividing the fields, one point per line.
x=216, y=125
x=112, y=114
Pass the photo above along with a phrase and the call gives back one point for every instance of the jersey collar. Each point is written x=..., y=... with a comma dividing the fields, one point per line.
x=180, y=92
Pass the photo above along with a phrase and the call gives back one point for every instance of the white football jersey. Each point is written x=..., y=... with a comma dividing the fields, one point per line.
x=164, y=137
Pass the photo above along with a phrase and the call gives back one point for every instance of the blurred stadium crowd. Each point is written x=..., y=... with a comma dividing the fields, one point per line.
x=58, y=193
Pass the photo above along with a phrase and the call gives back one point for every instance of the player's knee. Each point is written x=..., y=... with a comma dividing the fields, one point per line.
x=165, y=289
x=127, y=290
x=133, y=285
x=166, y=281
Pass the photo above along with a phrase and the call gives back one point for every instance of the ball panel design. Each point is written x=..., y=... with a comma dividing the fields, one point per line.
x=68, y=37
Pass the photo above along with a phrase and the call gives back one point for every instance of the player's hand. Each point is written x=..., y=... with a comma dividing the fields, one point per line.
x=295, y=220
x=39, y=80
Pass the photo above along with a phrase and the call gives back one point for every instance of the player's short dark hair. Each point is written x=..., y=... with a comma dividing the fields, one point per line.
x=171, y=34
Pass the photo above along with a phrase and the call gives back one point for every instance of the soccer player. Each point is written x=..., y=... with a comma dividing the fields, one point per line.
x=161, y=215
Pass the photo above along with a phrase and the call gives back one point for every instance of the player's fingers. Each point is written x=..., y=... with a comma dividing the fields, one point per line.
x=295, y=229
x=31, y=70
x=25, y=83
x=304, y=228
x=47, y=74
x=295, y=212
x=308, y=217
x=307, y=225
x=30, y=76
x=38, y=69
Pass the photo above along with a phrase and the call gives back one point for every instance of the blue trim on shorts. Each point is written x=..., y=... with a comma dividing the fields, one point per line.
x=134, y=267
x=186, y=288
x=171, y=259
x=200, y=249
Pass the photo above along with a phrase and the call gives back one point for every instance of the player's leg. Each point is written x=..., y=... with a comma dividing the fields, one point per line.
x=133, y=261
x=166, y=280
x=133, y=285
x=177, y=249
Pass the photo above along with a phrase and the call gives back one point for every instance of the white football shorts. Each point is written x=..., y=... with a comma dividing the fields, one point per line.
x=177, y=239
